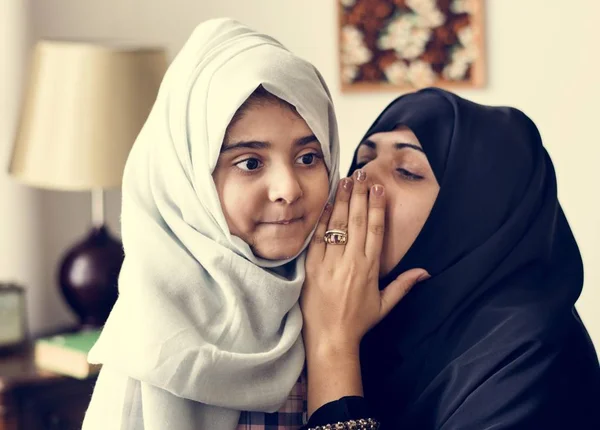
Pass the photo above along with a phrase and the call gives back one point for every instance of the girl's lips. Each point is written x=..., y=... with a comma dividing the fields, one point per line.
x=284, y=221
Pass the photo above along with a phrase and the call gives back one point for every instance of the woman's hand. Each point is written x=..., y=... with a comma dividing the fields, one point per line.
x=340, y=299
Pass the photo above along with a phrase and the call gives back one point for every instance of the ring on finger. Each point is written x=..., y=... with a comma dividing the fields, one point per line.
x=336, y=237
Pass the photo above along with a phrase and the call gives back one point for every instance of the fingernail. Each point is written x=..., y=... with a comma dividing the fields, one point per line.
x=425, y=276
x=361, y=175
x=347, y=184
x=378, y=190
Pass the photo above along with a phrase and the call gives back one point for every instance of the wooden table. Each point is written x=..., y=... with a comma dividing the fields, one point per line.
x=34, y=399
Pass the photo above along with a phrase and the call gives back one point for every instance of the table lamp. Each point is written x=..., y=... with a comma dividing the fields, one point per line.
x=83, y=107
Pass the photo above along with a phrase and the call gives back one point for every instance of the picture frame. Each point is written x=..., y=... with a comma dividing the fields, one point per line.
x=14, y=333
x=411, y=44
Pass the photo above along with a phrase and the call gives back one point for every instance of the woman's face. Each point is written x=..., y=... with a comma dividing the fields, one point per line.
x=272, y=180
x=396, y=160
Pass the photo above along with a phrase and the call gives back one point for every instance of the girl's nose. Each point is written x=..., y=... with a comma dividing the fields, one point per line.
x=284, y=186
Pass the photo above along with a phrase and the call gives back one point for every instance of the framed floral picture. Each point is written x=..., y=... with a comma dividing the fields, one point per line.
x=411, y=44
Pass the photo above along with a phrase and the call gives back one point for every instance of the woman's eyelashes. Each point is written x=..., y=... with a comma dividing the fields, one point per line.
x=408, y=175
x=403, y=172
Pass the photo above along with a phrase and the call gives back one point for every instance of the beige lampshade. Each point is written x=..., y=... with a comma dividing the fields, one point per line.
x=84, y=106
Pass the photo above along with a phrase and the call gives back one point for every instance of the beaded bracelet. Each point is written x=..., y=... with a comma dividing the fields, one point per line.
x=362, y=424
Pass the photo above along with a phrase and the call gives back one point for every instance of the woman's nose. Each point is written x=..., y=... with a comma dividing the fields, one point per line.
x=373, y=172
x=284, y=186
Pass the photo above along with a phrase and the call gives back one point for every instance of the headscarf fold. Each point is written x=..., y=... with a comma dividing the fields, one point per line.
x=203, y=326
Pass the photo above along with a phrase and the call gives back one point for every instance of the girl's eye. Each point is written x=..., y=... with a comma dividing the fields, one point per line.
x=408, y=175
x=361, y=164
x=308, y=159
x=249, y=164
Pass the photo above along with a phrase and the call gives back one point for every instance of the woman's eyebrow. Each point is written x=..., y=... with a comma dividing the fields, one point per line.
x=408, y=145
x=370, y=144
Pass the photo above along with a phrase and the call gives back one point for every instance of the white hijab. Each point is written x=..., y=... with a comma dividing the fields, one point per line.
x=199, y=317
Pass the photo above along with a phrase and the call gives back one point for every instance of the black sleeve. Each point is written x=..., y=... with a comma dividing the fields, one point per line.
x=344, y=409
x=537, y=388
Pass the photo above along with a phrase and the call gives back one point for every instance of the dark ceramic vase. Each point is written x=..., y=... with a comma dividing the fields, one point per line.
x=88, y=276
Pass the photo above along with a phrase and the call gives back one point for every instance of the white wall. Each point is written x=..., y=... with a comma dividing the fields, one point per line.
x=542, y=58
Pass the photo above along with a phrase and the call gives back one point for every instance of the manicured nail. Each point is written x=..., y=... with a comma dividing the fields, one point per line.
x=361, y=175
x=347, y=184
x=425, y=276
x=378, y=190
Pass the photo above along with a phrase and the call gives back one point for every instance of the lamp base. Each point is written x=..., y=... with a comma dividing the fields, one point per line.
x=88, y=276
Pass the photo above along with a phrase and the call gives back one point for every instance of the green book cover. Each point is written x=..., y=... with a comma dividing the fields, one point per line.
x=81, y=341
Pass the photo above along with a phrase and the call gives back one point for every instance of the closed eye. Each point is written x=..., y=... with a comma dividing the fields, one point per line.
x=406, y=174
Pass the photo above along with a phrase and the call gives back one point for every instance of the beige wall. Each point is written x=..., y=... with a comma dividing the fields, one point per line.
x=542, y=58
x=21, y=251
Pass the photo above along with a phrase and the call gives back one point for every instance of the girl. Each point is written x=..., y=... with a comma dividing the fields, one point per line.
x=221, y=193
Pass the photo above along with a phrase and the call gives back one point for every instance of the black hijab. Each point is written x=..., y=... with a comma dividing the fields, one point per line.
x=506, y=270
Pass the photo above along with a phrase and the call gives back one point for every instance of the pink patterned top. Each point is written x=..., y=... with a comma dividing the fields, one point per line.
x=291, y=416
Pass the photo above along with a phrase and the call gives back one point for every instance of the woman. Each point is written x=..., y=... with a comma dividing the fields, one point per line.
x=221, y=193
x=492, y=339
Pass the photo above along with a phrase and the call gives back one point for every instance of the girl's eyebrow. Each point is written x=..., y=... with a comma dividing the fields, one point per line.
x=256, y=144
x=252, y=144
x=306, y=140
x=401, y=145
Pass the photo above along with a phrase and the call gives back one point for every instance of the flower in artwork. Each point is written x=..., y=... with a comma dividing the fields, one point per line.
x=354, y=52
x=420, y=74
x=420, y=5
x=455, y=71
x=405, y=36
x=397, y=73
x=464, y=54
x=427, y=13
x=466, y=37
x=432, y=18
x=348, y=3
x=349, y=73
x=462, y=58
x=462, y=6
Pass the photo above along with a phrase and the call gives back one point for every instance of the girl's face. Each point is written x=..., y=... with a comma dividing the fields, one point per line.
x=272, y=180
x=396, y=160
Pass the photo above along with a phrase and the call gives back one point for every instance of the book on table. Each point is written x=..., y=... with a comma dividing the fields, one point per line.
x=67, y=353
